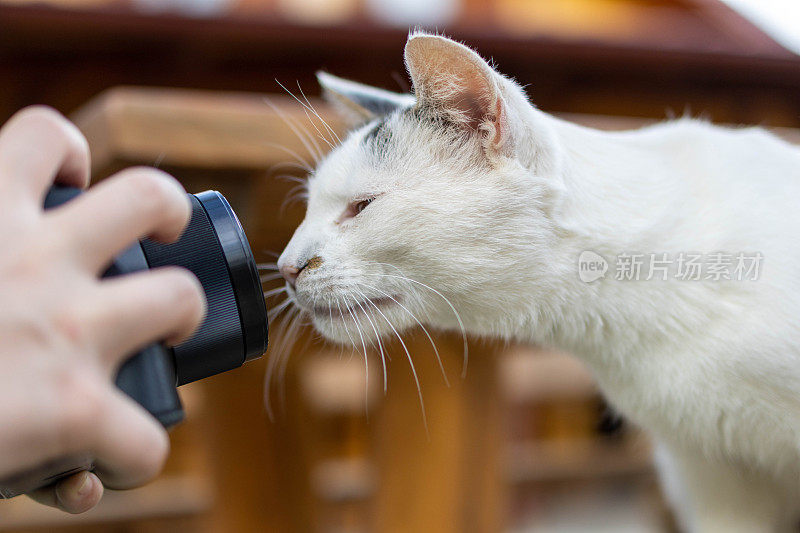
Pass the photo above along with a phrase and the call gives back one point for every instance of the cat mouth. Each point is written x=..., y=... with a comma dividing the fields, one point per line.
x=355, y=308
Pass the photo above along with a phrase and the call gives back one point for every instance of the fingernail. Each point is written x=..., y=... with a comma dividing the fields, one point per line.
x=86, y=484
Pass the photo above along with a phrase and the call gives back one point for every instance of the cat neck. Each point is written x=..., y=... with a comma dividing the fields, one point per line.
x=615, y=197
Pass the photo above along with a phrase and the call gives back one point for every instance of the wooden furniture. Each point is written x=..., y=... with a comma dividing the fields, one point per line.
x=614, y=57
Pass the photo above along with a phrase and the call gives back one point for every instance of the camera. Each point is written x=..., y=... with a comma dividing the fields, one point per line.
x=235, y=330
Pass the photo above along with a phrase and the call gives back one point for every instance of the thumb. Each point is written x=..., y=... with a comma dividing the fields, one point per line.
x=76, y=494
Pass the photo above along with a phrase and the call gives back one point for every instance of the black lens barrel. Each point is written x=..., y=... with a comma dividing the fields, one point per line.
x=243, y=270
x=214, y=247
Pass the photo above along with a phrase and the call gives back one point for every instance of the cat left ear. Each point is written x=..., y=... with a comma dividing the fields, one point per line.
x=359, y=103
x=454, y=81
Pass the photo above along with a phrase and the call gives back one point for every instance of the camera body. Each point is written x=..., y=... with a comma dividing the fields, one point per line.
x=235, y=330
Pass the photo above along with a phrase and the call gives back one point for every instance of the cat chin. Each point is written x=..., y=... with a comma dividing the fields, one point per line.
x=351, y=332
x=346, y=335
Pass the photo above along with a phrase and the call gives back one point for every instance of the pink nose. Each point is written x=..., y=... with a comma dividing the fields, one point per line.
x=290, y=274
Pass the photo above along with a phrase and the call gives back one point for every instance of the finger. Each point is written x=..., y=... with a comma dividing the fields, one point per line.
x=94, y=418
x=76, y=494
x=129, y=445
x=136, y=203
x=134, y=310
x=37, y=146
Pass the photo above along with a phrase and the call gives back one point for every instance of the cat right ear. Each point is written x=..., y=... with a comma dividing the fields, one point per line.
x=358, y=103
x=455, y=82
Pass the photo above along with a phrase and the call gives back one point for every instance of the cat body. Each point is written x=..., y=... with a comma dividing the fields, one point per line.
x=465, y=206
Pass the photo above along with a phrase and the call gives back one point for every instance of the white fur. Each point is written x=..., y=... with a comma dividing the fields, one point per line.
x=710, y=368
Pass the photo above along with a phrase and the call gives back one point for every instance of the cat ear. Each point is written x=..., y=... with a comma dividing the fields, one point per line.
x=453, y=80
x=358, y=103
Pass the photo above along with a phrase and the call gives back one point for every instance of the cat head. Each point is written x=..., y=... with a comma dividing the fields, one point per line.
x=434, y=207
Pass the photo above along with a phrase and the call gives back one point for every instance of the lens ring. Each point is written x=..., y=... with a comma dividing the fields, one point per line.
x=243, y=272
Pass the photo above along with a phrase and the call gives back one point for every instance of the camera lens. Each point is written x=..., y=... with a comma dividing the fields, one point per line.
x=215, y=248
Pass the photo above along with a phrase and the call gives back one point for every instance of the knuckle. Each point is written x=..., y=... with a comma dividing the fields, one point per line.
x=42, y=114
x=187, y=296
x=80, y=142
x=46, y=119
x=72, y=323
x=79, y=404
x=158, y=193
x=157, y=452
x=35, y=329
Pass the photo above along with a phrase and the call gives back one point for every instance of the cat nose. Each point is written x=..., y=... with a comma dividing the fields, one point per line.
x=290, y=274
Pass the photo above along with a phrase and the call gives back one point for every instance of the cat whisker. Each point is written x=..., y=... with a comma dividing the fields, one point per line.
x=319, y=133
x=295, y=198
x=366, y=357
x=159, y=160
x=267, y=266
x=270, y=277
x=273, y=314
x=301, y=196
x=330, y=315
x=344, y=324
x=301, y=182
x=341, y=344
x=274, y=359
x=274, y=292
x=433, y=344
x=380, y=345
x=301, y=187
x=298, y=192
x=288, y=165
x=286, y=355
x=452, y=307
x=308, y=142
x=279, y=354
x=305, y=165
x=410, y=361
x=327, y=126
x=307, y=108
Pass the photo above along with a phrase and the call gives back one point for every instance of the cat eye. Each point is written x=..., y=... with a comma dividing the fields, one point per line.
x=361, y=205
x=355, y=207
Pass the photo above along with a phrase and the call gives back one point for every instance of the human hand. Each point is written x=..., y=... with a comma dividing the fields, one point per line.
x=64, y=331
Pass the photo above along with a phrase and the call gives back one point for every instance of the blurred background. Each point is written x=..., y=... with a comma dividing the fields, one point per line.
x=524, y=442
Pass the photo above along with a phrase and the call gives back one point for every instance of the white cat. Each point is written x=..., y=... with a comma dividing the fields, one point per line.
x=466, y=194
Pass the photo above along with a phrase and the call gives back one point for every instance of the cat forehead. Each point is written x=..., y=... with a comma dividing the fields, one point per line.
x=356, y=161
x=395, y=150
